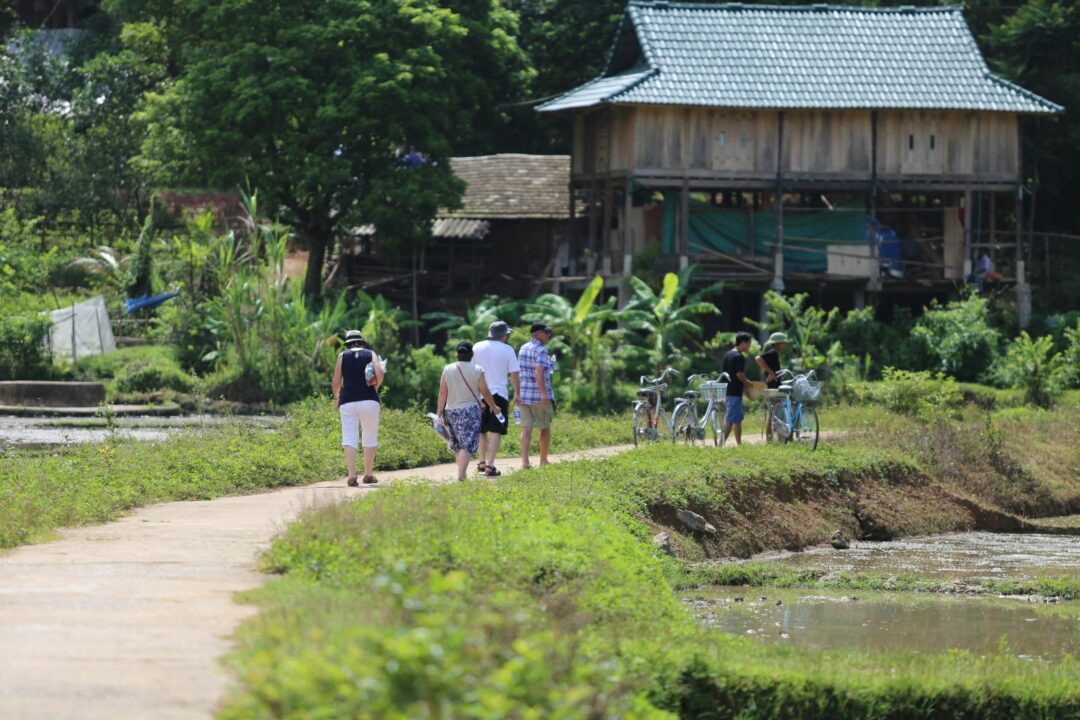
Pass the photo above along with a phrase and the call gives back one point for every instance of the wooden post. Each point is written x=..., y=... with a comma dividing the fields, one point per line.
x=684, y=225
x=874, y=282
x=991, y=239
x=778, y=251
x=74, y=353
x=968, y=219
x=627, y=240
x=753, y=243
x=592, y=216
x=604, y=249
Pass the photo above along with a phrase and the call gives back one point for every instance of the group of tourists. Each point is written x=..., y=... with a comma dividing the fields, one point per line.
x=473, y=406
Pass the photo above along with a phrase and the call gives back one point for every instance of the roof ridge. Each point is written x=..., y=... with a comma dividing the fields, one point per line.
x=809, y=7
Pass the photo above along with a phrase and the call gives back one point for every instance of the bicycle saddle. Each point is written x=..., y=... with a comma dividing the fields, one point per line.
x=785, y=388
x=692, y=394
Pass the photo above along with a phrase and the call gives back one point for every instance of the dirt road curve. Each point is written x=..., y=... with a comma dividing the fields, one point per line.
x=127, y=620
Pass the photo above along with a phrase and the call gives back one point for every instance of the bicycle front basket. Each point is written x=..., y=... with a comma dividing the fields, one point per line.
x=714, y=391
x=806, y=391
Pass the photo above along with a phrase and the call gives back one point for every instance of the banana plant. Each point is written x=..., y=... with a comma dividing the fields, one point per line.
x=669, y=318
x=584, y=329
x=473, y=325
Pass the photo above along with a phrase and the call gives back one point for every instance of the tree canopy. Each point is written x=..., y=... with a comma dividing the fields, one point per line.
x=338, y=111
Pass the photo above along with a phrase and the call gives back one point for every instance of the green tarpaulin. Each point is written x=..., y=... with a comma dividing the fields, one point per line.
x=805, y=233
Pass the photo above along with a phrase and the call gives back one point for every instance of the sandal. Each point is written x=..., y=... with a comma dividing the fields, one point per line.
x=492, y=472
x=370, y=480
x=352, y=482
x=482, y=467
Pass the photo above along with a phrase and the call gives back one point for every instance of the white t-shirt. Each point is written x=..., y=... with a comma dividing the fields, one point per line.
x=498, y=360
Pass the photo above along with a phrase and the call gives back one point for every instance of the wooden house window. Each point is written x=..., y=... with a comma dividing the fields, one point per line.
x=932, y=142
x=910, y=142
x=721, y=140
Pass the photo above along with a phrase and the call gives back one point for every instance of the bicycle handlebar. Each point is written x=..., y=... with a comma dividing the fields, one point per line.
x=660, y=378
x=786, y=373
x=701, y=377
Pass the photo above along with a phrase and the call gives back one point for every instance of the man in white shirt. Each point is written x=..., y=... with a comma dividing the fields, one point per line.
x=500, y=363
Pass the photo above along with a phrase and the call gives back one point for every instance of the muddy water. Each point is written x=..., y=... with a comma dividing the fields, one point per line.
x=879, y=622
x=48, y=432
x=961, y=556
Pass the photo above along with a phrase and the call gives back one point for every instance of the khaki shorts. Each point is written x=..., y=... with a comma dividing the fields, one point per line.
x=537, y=416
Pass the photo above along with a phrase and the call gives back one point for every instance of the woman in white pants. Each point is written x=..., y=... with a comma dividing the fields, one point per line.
x=356, y=397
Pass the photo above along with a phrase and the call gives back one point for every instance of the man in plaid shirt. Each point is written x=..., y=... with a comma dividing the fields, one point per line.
x=537, y=399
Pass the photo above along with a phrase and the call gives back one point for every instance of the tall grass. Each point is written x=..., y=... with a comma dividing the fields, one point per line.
x=543, y=596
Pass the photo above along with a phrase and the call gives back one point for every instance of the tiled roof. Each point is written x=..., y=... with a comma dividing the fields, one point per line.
x=803, y=56
x=513, y=186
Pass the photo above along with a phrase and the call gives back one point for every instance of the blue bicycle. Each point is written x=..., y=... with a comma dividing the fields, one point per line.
x=791, y=412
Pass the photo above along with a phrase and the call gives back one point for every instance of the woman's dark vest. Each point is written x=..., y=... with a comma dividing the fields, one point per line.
x=354, y=383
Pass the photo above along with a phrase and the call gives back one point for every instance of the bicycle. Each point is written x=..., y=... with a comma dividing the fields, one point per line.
x=649, y=418
x=790, y=410
x=714, y=392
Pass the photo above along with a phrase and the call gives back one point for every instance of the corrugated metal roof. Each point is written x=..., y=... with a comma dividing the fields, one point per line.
x=451, y=228
x=812, y=56
x=460, y=228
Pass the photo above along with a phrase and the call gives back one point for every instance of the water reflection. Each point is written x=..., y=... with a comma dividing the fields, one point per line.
x=883, y=621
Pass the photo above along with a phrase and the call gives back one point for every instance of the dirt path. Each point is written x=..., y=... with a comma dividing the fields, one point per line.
x=128, y=620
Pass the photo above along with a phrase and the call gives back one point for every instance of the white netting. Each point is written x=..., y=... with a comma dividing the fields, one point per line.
x=81, y=330
x=806, y=391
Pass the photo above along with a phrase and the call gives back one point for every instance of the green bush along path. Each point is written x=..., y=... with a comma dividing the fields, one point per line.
x=546, y=595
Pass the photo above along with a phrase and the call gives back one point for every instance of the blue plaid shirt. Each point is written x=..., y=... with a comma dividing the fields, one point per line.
x=533, y=354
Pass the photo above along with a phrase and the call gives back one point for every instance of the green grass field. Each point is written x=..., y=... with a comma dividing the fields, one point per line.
x=543, y=595
x=41, y=491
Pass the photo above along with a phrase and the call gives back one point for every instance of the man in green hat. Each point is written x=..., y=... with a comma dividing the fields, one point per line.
x=769, y=360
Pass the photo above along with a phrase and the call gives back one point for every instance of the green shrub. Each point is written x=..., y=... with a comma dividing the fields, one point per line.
x=917, y=392
x=149, y=378
x=1030, y=364
x=113, y=364
x=24, y=354
x=1071, y=355
x=413, y=380
x=956, y=339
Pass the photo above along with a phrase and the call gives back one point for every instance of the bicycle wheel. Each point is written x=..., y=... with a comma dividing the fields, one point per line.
x=684, y=423
x=716, y=423
x=807, y=431
x=637, y=422
x=663, y=429
x=780, y=426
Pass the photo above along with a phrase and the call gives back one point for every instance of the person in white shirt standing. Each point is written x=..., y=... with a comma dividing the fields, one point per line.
x=500, y=363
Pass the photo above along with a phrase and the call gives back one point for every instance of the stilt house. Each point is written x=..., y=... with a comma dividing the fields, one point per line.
x=821, y=146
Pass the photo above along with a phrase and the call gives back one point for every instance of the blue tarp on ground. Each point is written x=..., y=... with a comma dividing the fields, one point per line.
x=146, y=302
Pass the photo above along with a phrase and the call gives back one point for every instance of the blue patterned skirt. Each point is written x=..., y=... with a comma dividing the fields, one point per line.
x=464, y=428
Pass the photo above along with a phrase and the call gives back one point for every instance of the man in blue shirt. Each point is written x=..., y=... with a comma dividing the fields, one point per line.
x=537, y=399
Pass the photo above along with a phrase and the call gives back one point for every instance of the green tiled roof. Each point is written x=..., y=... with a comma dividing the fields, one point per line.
x=799, y=56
